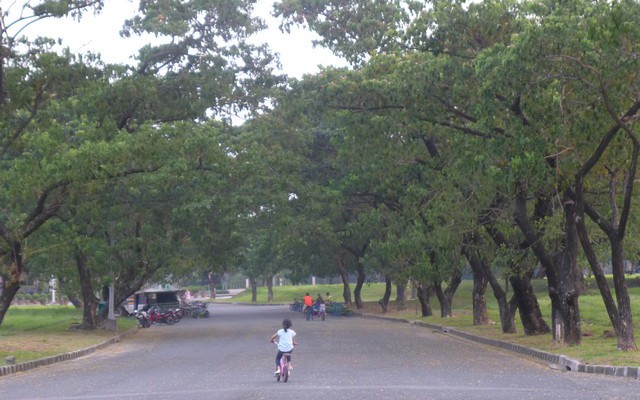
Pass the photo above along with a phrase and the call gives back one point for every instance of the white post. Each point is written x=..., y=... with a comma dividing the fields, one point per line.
x=111, y=296
x=246, y=285
x=313, y=280
x=52, y=287
x=110, y=324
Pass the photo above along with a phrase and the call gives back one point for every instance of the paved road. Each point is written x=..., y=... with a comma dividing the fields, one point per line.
x=228, y=356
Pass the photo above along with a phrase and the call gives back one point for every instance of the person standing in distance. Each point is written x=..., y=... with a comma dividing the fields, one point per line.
x=308, y=305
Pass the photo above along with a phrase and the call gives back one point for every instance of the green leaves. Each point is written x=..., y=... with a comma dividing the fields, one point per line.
x=353, y=30
x=61, y=8
x=132, y=156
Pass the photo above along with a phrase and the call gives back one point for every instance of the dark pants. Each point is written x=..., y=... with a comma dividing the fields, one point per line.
x=308, y=312
x=279, y=356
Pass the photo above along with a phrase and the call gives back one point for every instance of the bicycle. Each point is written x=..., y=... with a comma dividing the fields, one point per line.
x=284, y=366
x=296, y=305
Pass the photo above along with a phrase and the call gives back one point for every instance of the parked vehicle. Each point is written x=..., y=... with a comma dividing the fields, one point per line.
x=157, y=315
x=122, y=311
x=195, y=309
x=143, y=320
x=177, y=313
x=147, y=298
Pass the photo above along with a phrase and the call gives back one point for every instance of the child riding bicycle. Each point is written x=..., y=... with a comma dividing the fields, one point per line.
x=286, y=341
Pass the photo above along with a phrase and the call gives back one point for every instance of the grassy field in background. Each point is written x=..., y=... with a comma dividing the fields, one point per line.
x=33, y=332
x=595, y=349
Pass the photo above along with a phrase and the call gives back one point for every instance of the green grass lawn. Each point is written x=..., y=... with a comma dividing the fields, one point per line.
x=595, y=348
x=32, y=332
x=286, y=294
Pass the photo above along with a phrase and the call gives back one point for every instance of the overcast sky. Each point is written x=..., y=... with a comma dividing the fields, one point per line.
x=100, y=34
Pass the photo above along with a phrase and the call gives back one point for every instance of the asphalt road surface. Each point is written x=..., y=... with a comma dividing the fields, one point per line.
x=229, y=356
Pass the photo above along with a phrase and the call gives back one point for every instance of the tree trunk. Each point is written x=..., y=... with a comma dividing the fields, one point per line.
x=625, y=335
x=384, y=301
x=446, y=296
x=254, y=289
x=13, y=278
x=509, y=319
x=212, y=280
x=346, y=290
x=620, y=322
x=480, y=315
x=524, y=295
x=569, y=287
x=480, y=280
x=401, y=295
x=445, y=305
x=425, y=291
x=615, y=227
x=562, y=292
x=269, y=282
x=89, y=300
x=528, y=306
x=506, y=308
x=620, y=314
x=357, y=292
x=11, y=287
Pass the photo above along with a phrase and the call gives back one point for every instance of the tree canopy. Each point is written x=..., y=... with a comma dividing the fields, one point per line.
x=494, y=138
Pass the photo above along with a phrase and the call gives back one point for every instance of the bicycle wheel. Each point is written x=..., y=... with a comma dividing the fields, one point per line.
x=285, y=372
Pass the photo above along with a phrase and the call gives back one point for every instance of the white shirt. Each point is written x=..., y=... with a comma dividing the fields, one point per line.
x=285, y=339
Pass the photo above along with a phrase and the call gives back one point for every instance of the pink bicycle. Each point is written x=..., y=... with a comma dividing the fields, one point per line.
x=284, y=367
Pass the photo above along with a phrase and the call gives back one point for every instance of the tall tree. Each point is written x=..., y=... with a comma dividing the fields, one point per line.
x=87, y=121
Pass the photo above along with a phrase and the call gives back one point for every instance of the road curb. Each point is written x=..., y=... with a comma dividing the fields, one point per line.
x=27, y=365
x=557, y=361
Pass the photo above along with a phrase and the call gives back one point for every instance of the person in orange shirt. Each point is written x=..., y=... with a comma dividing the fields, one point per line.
x=308, y=306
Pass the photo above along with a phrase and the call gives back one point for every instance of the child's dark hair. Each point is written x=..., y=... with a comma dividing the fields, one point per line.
x=286, y=324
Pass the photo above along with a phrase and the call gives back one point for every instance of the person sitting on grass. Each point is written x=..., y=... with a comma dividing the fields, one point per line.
x=328, y=299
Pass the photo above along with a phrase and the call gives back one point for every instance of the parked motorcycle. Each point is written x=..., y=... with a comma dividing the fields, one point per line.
x=156, y=315
x=196, y=309
x=177, y=314
x=143, y=320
